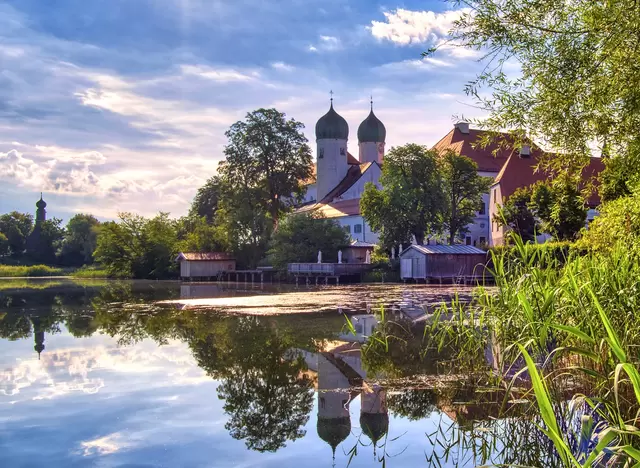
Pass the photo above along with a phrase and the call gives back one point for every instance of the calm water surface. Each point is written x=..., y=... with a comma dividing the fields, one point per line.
x=151, y=374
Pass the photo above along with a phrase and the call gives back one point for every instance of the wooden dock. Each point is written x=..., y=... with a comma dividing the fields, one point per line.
x=323, y=272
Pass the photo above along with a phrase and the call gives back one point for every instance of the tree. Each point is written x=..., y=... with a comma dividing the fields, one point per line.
x=270, y=155
x=517, y=215
x=138, y=247
x=579, y=79
x=80, y=240
x=16, y=227
x=412, y=200
x=463, y=190
x=49, y=240
x=196, y=235
x=300, y=236
x=617, y=224
x=4, y=245
x=206, y=201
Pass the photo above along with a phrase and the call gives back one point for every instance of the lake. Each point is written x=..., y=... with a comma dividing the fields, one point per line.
x=164, y=374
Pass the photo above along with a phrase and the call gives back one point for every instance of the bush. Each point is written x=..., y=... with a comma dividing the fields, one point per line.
x=543, y=255
x=90, y=272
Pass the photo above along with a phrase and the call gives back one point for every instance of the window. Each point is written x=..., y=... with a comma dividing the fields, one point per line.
x=495, y=192
x=342, y=152
x=468, y=241
x=483, y=240
x=483, y=209
x=320, y=153
x=481, y=225
x=357, y=228
x=347, y=229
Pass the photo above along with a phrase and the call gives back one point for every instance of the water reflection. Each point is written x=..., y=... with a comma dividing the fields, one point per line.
x=283, y=387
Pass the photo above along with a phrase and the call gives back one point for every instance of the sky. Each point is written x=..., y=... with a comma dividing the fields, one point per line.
x=122, y=106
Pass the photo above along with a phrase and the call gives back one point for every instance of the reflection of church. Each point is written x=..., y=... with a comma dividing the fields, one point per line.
x=340, y=380
x=38, y=335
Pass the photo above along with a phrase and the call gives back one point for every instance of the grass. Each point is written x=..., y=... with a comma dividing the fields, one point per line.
x=90, y=273
x=11, y=271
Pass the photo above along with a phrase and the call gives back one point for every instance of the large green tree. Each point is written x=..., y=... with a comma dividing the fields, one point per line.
x=579, y=83
x=138, y=247
x=269, y=155
x=412, y=199
x=80, y=240
x=16, y=227
x=300, y=236
x=463, y=189
x=517, y=214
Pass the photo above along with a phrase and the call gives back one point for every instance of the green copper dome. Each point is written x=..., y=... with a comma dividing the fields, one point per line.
x=371, y=129
x=374, y=425
x=332, y=126
x=334, y=431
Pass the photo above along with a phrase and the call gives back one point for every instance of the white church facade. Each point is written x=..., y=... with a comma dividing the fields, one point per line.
x=340, y=177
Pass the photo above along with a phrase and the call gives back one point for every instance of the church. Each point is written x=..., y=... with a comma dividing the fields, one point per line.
x=340, y=177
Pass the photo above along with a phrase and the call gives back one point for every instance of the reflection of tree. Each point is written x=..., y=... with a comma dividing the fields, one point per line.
x=413, y=404
x=266, y=393
x=14, y=326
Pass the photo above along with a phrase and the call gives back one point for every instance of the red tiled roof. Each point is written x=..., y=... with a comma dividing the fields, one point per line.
x=204, y=256
x=521, y=172
x=489, y=158
x=351, y=159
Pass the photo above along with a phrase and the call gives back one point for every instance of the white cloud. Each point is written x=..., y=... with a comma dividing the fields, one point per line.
x=326, y=44
x=282, y=66
x=106, y=445
x=406, y=27
x=221, y=75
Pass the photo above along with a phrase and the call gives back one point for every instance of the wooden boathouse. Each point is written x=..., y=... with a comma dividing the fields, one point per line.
x=204, y=265
x=325, y=272
x=460, y=264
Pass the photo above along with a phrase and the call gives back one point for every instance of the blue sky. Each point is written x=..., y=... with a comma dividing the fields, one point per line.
x=122, y=105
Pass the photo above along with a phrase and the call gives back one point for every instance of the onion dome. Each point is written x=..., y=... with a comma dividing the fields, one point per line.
x=41, y=203
x=332, y=126
x=374, y=425
x=372, y=130
x=334, y=431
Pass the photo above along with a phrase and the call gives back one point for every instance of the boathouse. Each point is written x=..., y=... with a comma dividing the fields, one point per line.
x=443, y=263
x=201, y=265
x=356, y=252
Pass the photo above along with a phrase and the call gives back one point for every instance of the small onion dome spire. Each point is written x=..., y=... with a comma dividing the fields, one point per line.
x=334, y=431
x=374, y=426
x=332, y=126
x=41, y=203
x=371, y=129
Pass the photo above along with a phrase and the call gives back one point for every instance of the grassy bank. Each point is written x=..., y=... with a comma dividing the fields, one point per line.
x=21, y=271
x=30, y=271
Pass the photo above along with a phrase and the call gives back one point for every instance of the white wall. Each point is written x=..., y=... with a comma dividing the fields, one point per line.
x=366, y=235
x=331, y=165
x=371, y=151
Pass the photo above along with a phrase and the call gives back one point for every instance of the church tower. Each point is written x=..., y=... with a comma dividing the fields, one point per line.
x=41, y=213
x=371, y=136
x=332, y=133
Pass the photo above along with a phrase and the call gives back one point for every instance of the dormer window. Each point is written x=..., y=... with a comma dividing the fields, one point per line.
x=525, y=151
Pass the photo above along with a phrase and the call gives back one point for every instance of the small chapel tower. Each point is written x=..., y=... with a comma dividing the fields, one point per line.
x=41, y=213
x=332, y=133
x=371, y=138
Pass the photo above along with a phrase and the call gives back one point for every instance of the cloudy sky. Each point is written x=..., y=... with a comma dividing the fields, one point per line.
x=122, y=105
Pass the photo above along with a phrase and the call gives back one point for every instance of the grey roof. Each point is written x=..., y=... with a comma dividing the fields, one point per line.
x=332, y=126
x=362, y=244
x=446, y=249
x=371, y=129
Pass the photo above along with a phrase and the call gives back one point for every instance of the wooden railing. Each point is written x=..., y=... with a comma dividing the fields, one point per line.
x=327, y=269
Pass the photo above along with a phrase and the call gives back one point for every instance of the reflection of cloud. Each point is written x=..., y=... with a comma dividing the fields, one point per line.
x=106, y=445
x=87, y=370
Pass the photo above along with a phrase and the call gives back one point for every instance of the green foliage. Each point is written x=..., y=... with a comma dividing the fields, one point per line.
x=579, y=80
x=16, y=271
x=412, y=199
x=16, y=227
x=516, y=214
x=463, y=189
x=269, y=156
x=299, y=238
x=4, y=245
x=90, y=272
x=617, y=223
x=138, y=247
x=45, y=241
x=80, y=240
x=557, y=208
x=207, y=199
x=196, y=235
